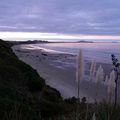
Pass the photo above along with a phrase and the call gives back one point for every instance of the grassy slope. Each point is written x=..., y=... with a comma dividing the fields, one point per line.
x=23, y=93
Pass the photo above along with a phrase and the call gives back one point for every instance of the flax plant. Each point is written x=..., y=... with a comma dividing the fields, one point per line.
x=116, y=66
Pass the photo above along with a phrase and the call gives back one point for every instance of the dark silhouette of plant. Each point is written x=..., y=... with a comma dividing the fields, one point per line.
x=116, y=65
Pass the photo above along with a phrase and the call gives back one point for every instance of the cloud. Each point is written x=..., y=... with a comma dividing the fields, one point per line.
x=61, y=16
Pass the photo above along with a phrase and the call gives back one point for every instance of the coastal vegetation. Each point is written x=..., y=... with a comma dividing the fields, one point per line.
x=24, y=95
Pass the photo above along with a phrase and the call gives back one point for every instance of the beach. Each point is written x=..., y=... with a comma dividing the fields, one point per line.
x=59, y=71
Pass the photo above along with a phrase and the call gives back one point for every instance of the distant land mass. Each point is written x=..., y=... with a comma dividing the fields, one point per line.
x=27, y=42
x=84, y=41
x=45, y=41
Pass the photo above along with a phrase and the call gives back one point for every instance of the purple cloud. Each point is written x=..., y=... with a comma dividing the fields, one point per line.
x=61, y=16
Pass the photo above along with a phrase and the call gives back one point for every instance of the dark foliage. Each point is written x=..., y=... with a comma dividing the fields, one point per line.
x=19, y=84
x=116, y=65
x=72, y=100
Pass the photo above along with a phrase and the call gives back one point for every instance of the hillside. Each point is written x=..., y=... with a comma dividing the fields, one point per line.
x=23, y=93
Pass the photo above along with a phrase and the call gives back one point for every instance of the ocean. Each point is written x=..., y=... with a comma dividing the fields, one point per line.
x=101, y=52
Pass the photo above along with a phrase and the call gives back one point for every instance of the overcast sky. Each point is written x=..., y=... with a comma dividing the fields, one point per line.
x=98, y=17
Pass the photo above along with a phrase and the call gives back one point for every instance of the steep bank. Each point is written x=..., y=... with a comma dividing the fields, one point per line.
x=23, y=93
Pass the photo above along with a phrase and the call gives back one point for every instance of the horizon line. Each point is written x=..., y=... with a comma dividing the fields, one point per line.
x=55, y=36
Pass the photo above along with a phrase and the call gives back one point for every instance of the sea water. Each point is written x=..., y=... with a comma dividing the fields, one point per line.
x=101, y=52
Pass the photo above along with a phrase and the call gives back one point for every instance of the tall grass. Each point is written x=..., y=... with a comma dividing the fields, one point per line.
x=79, y=76
x=99, y=76
x=79, y=70
x=111, y=86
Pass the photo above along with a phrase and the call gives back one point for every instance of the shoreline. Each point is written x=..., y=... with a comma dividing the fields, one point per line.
x=59, y=70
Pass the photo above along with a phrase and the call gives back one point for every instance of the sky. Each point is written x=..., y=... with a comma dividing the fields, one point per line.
x=60, y=19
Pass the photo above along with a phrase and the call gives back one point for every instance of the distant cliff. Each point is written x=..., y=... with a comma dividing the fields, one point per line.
x=27, y=42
